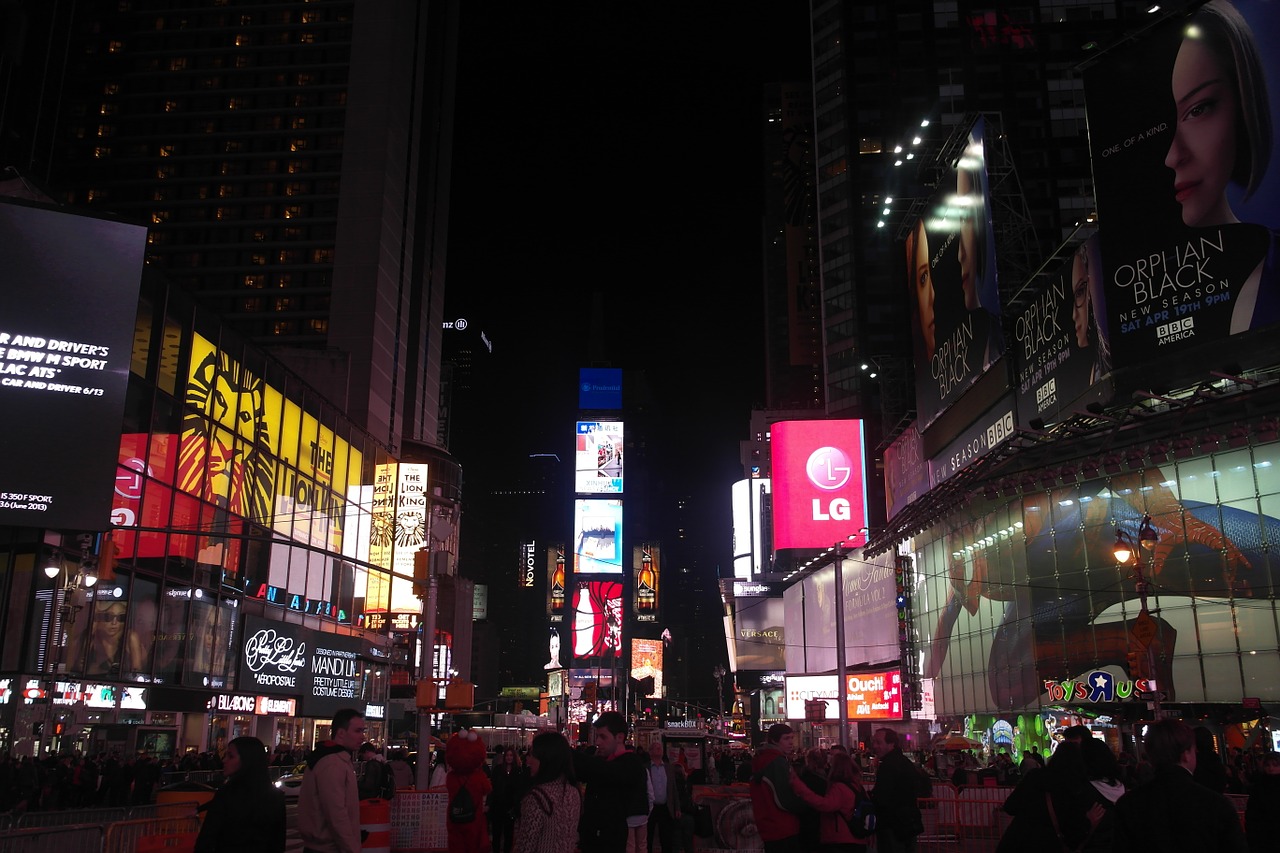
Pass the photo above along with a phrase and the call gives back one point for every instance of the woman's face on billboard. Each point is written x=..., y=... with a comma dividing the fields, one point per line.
x=1080, y=297
x=1203, y=153
x=922, y=286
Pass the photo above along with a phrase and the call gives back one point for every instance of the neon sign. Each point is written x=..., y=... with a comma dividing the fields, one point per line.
x=1099, y=686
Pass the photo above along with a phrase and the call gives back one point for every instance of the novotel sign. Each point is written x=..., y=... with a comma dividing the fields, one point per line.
x=324, y=671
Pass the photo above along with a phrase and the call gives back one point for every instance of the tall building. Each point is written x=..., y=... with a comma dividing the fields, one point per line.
x=290, y=159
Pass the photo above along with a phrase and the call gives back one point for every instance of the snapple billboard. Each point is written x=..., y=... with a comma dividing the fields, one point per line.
x=819, y=483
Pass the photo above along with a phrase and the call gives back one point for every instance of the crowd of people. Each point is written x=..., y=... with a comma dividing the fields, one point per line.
x=606, y=795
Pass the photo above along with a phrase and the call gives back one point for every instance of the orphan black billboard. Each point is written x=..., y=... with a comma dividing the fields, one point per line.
x=1181, y=134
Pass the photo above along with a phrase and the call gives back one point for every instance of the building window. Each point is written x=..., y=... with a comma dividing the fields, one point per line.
x=178, y=63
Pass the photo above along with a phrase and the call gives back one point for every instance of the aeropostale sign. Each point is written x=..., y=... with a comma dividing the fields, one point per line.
x=325, y=672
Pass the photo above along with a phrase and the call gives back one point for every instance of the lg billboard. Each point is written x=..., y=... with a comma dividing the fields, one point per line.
x=819, y=483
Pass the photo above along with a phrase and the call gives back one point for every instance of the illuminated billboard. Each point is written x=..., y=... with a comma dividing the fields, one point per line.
x=819, y=483
x=868, y=696
x=1180, y=138
x=906, y=471
x=598, y=458
x=750, y=521
x=646, y=562
x=646, y=665
x=555, y=580
x=599, y=388
x=597, y=536
x=951, y=282
x=870, y=615
x=527, y=564
x=397, y=531
x=1059, y=354
x=66, y=339
x=597, y=619
x=760, y=634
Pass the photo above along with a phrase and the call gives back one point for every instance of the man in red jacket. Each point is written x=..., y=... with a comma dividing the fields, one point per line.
x=774, y=803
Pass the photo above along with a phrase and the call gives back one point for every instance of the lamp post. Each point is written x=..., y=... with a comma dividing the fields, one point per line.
x=62, y=616
x=1144, y=627
x=719, y=673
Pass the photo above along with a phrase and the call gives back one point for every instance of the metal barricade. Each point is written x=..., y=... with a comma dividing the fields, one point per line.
x=65, y=817
x=52, y=839
x=6, y=820
x=170, y=834
x=977, y=808
x=154, y=810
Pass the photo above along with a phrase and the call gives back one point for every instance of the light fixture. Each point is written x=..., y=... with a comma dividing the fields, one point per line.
x=1147, y=536
x=1123, y=549
x=52, y=571
x=90, y=579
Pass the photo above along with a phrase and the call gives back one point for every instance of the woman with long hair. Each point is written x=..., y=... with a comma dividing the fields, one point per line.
x=247, y=814
x=549, y=810
x=508, y=777
x=835, y=808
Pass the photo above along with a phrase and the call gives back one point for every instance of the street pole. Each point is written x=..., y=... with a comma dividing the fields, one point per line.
x=719, y=673
x=426, y=671
x=842, y=681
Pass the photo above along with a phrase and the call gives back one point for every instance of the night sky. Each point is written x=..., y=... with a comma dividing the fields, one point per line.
x=615, y=151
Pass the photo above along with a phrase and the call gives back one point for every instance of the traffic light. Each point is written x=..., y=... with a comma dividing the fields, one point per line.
x=108, y=555
x=1137, y=664
x=59, y=727
x=421, y=572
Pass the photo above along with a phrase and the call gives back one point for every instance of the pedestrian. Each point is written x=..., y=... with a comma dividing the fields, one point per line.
x=376, y=780
x=774, y=802
x=146, y=775
x=835, y=807
x=814, y=777
x=329, y=800
x=247, y=814
x=401, y=770
x=663, y=819
x=1171, y=813
x=616, y=792
x=687, y=825
x=550, y=809
x=508, y=779
x=1210, y=771
x=1105, y=775
x=899, y=784
x=1262, y=812
x=1055, y=804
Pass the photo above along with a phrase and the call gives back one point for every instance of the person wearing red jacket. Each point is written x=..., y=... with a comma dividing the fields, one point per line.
x=836, y=806
x=774, y=802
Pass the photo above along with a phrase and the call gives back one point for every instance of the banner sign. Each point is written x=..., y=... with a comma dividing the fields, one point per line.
x=325, y=671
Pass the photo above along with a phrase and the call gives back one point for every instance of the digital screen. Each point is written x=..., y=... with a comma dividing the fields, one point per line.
x=66, y=340
x=819, y=484
x=597, y=619
x=597, y=536
x=599, y=388
x=598, y=458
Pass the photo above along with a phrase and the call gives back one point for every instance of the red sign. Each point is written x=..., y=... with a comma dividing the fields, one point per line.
x=819, y=483
x=875, y=695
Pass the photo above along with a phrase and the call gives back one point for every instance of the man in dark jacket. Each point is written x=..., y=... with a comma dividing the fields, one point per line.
x=1172, y=813
x=617, y=787
x=899, y=783
x=773, y=801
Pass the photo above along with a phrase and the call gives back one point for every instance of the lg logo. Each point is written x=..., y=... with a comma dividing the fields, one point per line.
x=829, y=468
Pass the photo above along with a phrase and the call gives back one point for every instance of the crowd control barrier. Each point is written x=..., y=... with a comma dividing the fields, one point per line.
x=52, y=839
x=375, y=826
x=153, y=835
x=418, y=820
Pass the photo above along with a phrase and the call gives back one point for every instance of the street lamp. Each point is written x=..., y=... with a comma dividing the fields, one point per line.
x=1144, y=627
x=719, y=672
x=63, y=614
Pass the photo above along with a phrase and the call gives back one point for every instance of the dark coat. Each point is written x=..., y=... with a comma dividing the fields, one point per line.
x=1172, y=814
x=243, y=818
x=899, y=783
x=614, y=788
x=1262, y=814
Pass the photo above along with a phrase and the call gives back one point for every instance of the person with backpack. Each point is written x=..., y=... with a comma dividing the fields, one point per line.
x=376, y=780
x=843, y=824
x=468, y=786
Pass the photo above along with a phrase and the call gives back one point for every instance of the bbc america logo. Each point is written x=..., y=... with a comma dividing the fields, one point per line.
x=1175, y=331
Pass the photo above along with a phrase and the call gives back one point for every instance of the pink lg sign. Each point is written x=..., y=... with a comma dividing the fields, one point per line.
x=819, y=483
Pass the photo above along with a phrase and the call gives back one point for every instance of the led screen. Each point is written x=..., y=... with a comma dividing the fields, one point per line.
x=646, y=665
x=760, y=633
x=599, y=388
x=597, y=536
x=67, y=316
x=597, y=619
x=598, y=458
x=954, y=298
x=819, y=487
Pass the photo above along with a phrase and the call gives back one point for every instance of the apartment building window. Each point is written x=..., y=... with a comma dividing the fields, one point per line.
x=319, y=324
x=178, y=63
x=255, y=281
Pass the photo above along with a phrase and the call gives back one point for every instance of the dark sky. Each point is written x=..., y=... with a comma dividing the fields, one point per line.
x=615, y=151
